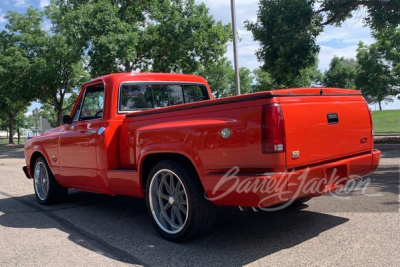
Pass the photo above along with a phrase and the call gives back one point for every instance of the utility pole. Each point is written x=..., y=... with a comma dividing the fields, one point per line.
x=235, y=51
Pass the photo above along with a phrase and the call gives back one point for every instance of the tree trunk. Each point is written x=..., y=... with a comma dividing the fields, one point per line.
x=128, y=67
x=11, y=128
x=380, y=105
x=19, y=136
x=59, y=112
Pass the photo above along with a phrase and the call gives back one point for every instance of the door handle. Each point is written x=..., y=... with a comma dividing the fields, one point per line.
x=90, y=132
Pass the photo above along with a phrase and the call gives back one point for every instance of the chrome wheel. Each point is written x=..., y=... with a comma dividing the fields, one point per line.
x=41, y=177
x=168, y=201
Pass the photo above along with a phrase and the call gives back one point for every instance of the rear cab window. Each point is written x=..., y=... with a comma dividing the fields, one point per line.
x=136, y=97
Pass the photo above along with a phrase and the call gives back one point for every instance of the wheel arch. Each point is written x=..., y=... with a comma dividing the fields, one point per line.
x=34, y=157
x=151, y=160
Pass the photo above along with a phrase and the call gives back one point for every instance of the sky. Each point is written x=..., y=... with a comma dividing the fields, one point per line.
x=334, y=41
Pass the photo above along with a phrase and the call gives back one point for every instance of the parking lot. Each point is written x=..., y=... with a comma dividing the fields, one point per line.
x=361, y=228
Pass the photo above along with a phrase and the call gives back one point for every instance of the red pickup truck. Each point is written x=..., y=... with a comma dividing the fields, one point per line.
x=164, y=138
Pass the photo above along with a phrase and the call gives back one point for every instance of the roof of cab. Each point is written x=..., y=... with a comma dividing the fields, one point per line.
x=150, y=77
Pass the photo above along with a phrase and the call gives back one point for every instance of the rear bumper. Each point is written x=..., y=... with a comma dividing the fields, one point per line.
x=26, y=171
x=233, y=189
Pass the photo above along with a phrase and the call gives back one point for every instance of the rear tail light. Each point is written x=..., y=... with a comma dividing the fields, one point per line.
x=273, y=132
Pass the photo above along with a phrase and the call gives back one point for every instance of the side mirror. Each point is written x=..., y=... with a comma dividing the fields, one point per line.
x=67, y=119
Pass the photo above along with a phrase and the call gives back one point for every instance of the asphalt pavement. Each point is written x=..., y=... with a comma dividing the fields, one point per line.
x=355, y=228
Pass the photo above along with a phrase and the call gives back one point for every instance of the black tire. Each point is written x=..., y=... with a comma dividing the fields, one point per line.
x=55, y=193
x=200, y=212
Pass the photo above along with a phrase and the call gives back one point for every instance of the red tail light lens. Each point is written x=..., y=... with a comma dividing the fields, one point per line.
x=273, y=129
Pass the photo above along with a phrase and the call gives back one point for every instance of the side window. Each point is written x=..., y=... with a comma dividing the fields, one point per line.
x=91, y=106
x=194, y=93
x=135, y=96
x=160, y=96
x=175, y=95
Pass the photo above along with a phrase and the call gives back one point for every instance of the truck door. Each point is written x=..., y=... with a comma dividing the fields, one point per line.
x=78, y=158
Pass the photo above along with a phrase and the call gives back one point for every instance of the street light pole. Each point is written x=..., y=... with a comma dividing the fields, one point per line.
x=235, y=51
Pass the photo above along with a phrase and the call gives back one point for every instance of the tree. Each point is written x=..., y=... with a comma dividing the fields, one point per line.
x=48, y=112
x=220, y=76
x=15, y=87
x=375, y=78
x=59, y=72
x=388, y=43
x=342, y=73
x=161, y=35
x=33, y=122
x=181, y=37
x=287, y=30
x=107, y=30
x=263, y=81
x=379, y=14
x=57, y=66
x=246, y=81
x=3, y=122
x=16, y=54
x=20, y=124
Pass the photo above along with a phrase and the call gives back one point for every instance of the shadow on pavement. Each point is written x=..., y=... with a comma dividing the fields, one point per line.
x=119, y=228
x=11, y=151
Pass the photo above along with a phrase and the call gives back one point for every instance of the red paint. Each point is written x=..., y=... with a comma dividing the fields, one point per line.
x=112, y=162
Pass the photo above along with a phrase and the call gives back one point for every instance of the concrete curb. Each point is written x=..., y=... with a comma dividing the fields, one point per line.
x=387, y=146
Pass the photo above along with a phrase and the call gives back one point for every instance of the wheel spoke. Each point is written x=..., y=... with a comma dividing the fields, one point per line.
x=166, y=185
x=172, y=183
x=177, y=187
x=163, y=196
x=173, y=215
x=181, y=193
x=178, y=215
x=167, y=206
x=182, y=202
x=182, y=208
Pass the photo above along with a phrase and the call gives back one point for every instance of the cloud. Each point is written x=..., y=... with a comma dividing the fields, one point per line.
x=21, y=3
x=342, y=41
x=327, y=53
x=44, y=3
x=2, y=18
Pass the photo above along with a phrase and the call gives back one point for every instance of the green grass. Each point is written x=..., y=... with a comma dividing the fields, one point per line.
x=386, y=121
x=4, y=141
